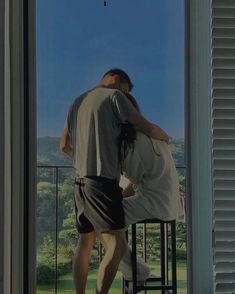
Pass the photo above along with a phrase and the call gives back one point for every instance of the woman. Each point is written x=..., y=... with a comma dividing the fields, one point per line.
x=153, y=191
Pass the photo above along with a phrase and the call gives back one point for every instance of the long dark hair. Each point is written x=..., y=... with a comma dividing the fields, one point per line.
x=127, y=137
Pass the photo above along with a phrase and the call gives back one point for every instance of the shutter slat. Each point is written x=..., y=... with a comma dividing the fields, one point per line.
x=225, y=277
x=225, y=216
x=224, y=123
x=224, y=225
x=222, y=267
x=223, y=12
x=223, y=64
x=224, y=195
x=222, y=144
x=223, y=134
x=229, y=184
x=225, y=288
x=224, y=246
x=224, y=256
x=223, y=4
x=224, y=154
x=225, y=33
x=224, y=42
x=225, y=205
x=224, y=174
x=224, y=164
x=223, y=23
x=224, y=73
x=224, y=113
x=219, y=103
x=223, y=93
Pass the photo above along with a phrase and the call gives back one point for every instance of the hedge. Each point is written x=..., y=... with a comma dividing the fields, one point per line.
x=46, y=273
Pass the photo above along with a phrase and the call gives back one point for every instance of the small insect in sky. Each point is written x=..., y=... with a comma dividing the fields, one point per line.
x=105, y=3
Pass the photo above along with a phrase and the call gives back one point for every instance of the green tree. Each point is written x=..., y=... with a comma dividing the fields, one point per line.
x=45, y=209
x=69, y=231
x=47, y=251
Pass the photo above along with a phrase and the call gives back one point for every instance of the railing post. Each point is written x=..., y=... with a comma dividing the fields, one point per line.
x=163, y=255
x=133, y=256
x=144, y=247
x=173, y=252
x=56, y=229
x=166, y=253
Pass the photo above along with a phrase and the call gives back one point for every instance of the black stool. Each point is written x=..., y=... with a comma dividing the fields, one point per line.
x=164, y=286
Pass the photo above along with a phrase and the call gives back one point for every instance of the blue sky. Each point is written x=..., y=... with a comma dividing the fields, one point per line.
x=78, y=40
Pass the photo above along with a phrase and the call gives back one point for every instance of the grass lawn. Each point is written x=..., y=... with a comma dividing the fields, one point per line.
x=65, y=283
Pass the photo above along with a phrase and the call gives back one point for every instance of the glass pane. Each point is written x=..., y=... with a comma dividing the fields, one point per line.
x=77, y=42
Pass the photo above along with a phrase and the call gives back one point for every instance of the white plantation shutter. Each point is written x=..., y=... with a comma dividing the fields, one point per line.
x=223, y=120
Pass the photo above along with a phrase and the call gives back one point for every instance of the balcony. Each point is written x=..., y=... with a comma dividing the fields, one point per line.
x=57, y=236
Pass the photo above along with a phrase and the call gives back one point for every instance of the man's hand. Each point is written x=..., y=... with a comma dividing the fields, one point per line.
x=128, y=191
x=159, y=134
x=148, y=128
x=65, y=145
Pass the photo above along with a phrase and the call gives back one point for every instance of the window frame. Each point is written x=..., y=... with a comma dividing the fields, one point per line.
x=198, y=134
x=18, y=107
x=20, y=146
x=2, y=135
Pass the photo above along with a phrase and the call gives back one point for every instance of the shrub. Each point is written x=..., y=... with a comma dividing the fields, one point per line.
x=66, y=251
x=64, y=268
x=181, y=254
x=45, y=274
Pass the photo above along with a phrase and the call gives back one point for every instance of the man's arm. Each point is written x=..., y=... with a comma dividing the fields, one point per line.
x=126, y=112
x=65, y=145
x=148, y=128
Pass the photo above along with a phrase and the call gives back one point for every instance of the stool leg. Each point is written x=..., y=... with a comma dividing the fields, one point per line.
x=100, y=252
x=163, y=255
x=144, y=247
x=133, y=259
x=166, y=254
x=125, y=284
x=173, y=246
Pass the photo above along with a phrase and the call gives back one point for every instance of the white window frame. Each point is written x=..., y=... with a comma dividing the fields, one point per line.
x=2, y=135
x=16, y=166
x=198, y=149
x=18, y=169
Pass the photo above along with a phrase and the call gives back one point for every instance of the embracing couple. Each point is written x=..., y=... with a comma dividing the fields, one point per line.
x=106, y=135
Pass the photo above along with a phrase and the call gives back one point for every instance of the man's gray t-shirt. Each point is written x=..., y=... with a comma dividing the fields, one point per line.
x=93, y=123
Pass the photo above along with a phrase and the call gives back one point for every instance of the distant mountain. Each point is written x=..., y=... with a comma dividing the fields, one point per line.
x=177, y=149
x=48, y=152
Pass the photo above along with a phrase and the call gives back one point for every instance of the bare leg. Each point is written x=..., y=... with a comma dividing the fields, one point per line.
x=115, y=246
x=81, y=261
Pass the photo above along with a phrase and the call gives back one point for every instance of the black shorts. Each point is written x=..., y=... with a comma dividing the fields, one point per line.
x=98, y=205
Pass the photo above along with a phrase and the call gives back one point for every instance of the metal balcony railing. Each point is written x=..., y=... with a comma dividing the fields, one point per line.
x=56, y=169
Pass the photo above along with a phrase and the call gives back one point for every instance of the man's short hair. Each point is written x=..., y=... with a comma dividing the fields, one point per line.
x=124, y=78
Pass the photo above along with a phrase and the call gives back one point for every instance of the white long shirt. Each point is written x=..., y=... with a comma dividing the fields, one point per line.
x=151, y=168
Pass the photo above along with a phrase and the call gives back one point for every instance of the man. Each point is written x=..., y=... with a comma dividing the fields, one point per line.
x=90, y=138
